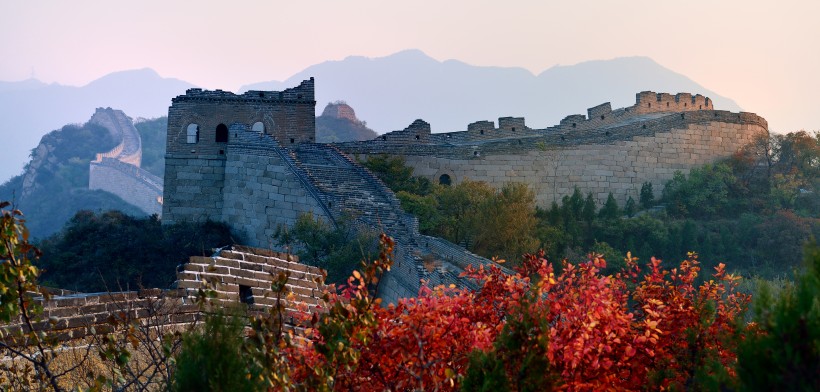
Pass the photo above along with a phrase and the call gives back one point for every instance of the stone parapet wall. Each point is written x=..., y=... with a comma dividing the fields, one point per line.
x=76, y=316
x=453, y=253
x=245, y=274
x=620, y=167
x=134, y=185
x=230, y=272
x=129, y=150
x=617, y=158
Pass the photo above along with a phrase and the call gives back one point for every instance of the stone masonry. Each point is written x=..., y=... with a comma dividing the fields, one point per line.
x=237, y=275
x=604, y=151
x=250, y=160
x=118, y=170
x=263, y=170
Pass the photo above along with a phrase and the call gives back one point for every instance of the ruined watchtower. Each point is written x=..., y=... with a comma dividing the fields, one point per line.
x=202, y=125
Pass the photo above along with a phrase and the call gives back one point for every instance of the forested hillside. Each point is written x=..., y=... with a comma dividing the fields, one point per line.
x=54, y=184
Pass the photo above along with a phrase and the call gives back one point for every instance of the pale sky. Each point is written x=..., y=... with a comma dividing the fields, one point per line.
x=763, y=54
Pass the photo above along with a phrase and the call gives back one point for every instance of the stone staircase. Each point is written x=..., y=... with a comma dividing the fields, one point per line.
x=352, y=193
x=347, y=192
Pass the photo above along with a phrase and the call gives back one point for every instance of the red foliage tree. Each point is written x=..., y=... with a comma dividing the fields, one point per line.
x=577, y=330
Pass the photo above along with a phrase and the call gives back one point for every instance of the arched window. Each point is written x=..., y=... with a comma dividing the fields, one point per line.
x=221, y=133
x=258, y=127
x=444, y=179
x=192, y=133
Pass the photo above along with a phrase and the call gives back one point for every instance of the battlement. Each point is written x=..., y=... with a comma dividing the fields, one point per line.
x=511, y=123
x=651, y=102
x=417, y=132
x=304, y=92
x=199, y=121
x=649, y=105
x=482, y=125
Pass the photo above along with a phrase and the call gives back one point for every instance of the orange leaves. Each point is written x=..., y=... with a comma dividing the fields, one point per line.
x=594, y=332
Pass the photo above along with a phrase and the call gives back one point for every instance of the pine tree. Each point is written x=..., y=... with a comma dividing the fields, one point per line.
x=785, y=354
x=610, y=210
x=588, y=212
x=629, y=209
x=647, y=195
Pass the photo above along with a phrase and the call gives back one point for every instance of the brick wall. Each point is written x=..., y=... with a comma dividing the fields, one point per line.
x=609, y=151
x=69, y=316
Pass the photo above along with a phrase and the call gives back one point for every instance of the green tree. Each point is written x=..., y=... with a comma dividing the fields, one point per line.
x=211, y=360
x=588, y=211
x=113, y=251
x=647, y=198
x=506, y=226
x=708, y=191
x=337, y=250
x=460, y=207
x=610, y=210
x=397, y=175
x=784, y=352
x=629, y=208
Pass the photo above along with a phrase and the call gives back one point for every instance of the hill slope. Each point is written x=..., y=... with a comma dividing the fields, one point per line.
x=338, y=123
x=30, y=107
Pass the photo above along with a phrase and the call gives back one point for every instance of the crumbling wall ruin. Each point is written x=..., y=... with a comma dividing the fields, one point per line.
x=238, y=275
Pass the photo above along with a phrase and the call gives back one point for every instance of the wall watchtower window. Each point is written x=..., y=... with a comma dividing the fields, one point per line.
x=192, y=134
x=258, y=127
x=221, y=133
x=245, y=295
x=444, y=179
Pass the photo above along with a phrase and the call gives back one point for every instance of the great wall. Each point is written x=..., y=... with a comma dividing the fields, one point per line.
x=250, y=161
x=238, y=275
x=118, y=170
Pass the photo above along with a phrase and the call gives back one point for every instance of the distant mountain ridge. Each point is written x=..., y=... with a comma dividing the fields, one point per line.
x=390, y=92
x=387, y=92
x=31, y=108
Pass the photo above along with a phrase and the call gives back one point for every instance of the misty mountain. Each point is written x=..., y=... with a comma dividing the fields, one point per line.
x=390, y=92
x=387, y=92
x=30, y=108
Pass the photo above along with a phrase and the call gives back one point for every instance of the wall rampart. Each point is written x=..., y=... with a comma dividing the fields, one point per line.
x=134, y=185
x=203, y=126
x=262, y=192
x=129, y=150
x=237, y=275
x=609, y=151
x=651, y=102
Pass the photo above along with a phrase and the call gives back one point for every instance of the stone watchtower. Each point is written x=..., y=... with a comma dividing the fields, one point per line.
x=202, y=125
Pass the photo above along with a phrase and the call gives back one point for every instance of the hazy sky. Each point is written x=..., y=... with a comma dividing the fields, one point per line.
x=763, y=54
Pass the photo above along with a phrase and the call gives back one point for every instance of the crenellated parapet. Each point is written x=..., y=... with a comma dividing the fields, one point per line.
x=198, y=121
x=651, y=102
x=677, y=132
x=129, y=150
